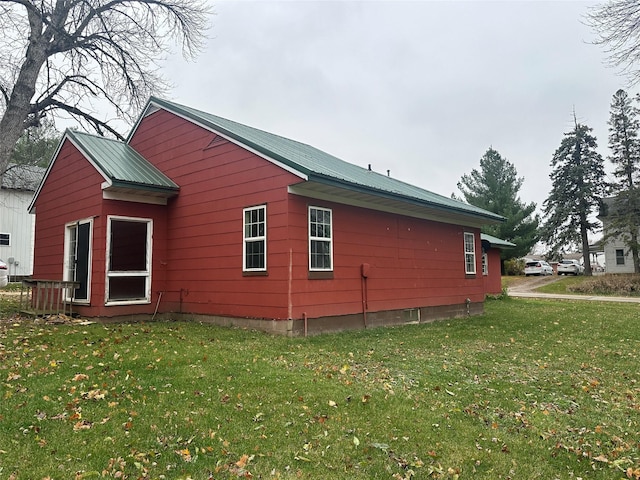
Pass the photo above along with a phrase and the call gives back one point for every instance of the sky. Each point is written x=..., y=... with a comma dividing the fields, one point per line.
x=420, y=88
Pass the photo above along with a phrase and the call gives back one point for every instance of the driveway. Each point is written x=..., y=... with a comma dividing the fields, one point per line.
x=526, y=289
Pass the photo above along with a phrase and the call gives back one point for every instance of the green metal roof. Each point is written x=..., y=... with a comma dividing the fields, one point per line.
x=320, y=166
x=496, y=242
x=121, y=164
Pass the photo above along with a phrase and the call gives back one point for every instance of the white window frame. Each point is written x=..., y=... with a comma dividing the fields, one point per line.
x=618, y=257
x=8, y=244
x=68, y=273
x=134, y=273
x=251, y=239
x=485, y=263
x=469, y=253
x=317, y=238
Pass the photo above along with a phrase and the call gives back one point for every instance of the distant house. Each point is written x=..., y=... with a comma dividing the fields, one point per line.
x=17, y=187
x=199, y=217
x=617, y=255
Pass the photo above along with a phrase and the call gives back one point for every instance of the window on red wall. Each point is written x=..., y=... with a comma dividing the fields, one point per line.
x=255, y=239
x=129, y=260
x=320, y=239
x=469, y=253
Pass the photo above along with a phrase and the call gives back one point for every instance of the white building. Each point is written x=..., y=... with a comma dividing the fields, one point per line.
x=617, y=255
x=17, y=226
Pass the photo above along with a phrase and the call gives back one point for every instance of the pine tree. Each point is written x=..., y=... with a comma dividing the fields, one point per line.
x=624, y=214
x=577, y=186
x=495, y=188
x=37, y=145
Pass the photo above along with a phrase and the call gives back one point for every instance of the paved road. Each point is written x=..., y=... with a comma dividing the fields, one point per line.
x=526, y=288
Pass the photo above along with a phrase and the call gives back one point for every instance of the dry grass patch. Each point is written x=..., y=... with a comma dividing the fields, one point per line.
x=620, y=285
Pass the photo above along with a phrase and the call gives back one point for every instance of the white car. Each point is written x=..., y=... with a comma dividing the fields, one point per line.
x=537, y=267
x=570, y=267
x=4, y=274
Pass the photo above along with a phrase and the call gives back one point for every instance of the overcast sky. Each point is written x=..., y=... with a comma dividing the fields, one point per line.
x=419, y=88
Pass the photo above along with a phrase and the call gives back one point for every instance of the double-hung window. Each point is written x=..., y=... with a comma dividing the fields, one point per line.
x=320, y=239
x=5, y=239
x=619, y=256
x=485, y=264
x=469, y=253
x=255, y=239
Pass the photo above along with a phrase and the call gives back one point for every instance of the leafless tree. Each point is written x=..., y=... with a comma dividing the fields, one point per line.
x=616, y=24
x=70, y=55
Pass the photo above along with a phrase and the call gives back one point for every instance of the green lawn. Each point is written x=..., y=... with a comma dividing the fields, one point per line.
x=563, y=284
x=532, y=389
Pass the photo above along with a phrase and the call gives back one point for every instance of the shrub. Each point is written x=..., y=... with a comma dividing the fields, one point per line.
x=514, y=266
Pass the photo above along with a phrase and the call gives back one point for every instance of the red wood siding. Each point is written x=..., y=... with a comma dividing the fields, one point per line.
x=493, y=281
x=412, y=262
x=198, y=239
x=73, y=192
x=204, y=232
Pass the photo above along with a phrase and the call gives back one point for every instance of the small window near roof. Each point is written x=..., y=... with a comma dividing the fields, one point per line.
x=5, y=239
x=469, y=253
x=619, y=256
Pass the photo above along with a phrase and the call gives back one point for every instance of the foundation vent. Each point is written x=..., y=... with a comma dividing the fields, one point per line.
x=411, y=315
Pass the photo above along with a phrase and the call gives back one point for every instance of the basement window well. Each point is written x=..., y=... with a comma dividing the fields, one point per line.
x=128, y=260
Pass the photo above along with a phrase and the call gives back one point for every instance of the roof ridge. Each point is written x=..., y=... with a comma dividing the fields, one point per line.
x=243, y=125
x=311, y=163
x=92, y=135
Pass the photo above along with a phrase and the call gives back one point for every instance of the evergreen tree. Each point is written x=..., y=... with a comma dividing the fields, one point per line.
x=495, y=188
x=625, y=155
x=37, y=145
x=577, y=186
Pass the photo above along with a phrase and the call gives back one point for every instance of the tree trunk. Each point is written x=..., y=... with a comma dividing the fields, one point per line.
x=634, y=252
x=586, y=257
x=12, y=124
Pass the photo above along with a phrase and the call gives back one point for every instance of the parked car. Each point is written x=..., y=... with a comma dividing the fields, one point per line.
x=4, y=274
x=538, y=267
x=570, y=267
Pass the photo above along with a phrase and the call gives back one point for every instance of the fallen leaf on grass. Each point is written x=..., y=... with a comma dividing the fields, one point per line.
x=243, y=461
x=82, y=425
x=95, y=394
x=185, y=454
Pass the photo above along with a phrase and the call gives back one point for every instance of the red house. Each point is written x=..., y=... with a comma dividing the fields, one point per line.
x=491, y=264
x=199, y=217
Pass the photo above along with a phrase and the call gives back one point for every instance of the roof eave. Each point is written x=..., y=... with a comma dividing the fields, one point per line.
x=169, y=191
x=488, y=217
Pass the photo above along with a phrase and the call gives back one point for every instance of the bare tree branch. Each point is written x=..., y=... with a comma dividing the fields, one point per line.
x=62, y=55
x=617, y=28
